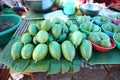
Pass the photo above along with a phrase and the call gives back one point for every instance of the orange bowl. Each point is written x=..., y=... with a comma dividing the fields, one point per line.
x=103, y=49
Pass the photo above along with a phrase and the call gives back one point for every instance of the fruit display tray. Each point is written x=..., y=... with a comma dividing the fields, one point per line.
x=51, y=65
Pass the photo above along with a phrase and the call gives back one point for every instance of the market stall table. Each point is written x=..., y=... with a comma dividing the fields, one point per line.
x=98, y=60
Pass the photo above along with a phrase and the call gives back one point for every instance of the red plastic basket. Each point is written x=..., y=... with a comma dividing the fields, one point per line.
x=103, y=49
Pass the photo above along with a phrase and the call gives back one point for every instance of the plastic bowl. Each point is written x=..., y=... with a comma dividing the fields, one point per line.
x=98, y=22
x=109, y=33
x=114, y=19
x=103, y=49
x=40, y=5
x=89, y=9
x=117, y=22
x=7, y=34
x=80, y=22
x=117, y=43
x=87, y=32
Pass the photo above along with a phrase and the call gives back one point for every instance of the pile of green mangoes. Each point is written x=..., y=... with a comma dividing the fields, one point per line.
x=54, y=37
x=90, y=27
x=100, y=39
x=82, y=19
x=111, y=27
x=102, y=18
x=117, y=17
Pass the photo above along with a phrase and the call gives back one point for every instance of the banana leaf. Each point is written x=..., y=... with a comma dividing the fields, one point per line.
x=110, y=57
x=65, y=65
x=49, y=64
x=6, y=58
x=40, y=66
x=55, y=67
x=13, y=71
x=76, y=66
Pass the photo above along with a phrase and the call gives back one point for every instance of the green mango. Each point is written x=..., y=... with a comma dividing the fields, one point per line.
x=104, y=19
x=83, y=18
x=39, y=25
x=42, y=36
x=68, y=50
x=16, y=50
x=51, y=38
x=86, y=49
x=67, y=30
x=27, y=51
x=107, y=27
x=103, y=36
x=88, y=26
x=73, y=28
x=69, y=36
x=84, y=36
x=76, y=38
x=55, y=50
x=105, y=43
x=95, y=38
x=46, y=25
x=116, y=29
x=35, y=41
x=62, y=37
x=26, y=38
x=96, y=28
x=69, y=22
x=57, y=20
x=56, y=31
x=117, y=36
x=40, y=52
x=32, y=29
x=64, y=28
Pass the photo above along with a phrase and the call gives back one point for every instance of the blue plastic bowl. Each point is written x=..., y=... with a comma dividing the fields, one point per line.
x=6, y=35
x=98, y=22
x=109, y=33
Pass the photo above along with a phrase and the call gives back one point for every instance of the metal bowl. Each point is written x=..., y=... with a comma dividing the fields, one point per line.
x=40, y=5
x=89, y=9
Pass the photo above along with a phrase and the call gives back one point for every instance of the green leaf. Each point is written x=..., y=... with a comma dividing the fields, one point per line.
x=6, y=58
x=65, y=66
x=109, y=57
x=20, y=64
x=13, y=71
x=55, y=67
x=40, y=66
x=76, y=65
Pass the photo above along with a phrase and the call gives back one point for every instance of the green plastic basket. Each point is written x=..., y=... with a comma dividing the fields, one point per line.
x=6, y=35
x=117, y=43
x=85, y=31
